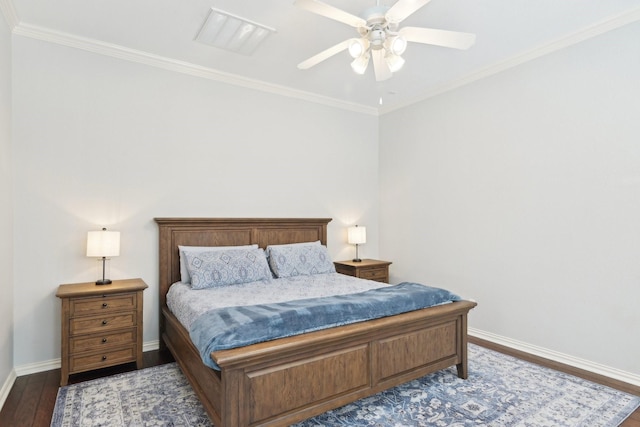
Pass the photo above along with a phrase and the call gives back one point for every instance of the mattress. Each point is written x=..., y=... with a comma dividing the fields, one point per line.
x=188, y=304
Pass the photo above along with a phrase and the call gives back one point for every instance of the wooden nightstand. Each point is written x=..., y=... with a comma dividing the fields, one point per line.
x=101, y=325
x=371, y=269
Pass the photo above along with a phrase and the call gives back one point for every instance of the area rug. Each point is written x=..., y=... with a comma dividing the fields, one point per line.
x=500, y=391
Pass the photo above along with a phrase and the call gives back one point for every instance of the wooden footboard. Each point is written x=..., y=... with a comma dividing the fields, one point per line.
x=284, y=381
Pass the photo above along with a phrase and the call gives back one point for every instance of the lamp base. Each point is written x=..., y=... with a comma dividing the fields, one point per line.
x=103, y=282
x=356, y=260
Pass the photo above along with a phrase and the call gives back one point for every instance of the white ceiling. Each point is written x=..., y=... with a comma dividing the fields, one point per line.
x=162, y=32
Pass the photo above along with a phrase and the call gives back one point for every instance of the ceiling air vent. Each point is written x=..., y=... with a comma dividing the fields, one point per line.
x=227, y=31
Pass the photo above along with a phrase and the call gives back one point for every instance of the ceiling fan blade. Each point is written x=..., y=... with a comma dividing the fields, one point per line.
x=403, y=9
x=435, y=37
x=331, y=12
x=380, y=66
x=325, y=54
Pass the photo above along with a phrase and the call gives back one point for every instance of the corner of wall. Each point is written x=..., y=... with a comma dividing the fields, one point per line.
x=6, y=387
x=9, y=13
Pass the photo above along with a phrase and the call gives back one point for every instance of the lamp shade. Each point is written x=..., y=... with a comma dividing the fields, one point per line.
x=357, y=235
x=103, y=243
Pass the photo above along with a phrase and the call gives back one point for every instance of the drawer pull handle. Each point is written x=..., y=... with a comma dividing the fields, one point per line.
x=105, y=305
x=104, y=357
x=104, y=340
x=104, y=322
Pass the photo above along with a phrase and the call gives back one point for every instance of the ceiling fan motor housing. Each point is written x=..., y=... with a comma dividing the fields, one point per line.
x=377, y=36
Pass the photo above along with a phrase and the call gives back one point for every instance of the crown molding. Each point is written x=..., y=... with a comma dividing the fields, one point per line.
x=9, y=13
x=152, y=60
x=132, y=55
x=597, y=29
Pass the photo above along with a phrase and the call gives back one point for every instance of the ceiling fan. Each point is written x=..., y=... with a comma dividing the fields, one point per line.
x=380, y=37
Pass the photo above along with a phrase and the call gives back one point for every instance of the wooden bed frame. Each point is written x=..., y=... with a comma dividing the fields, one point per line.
x=280, y=382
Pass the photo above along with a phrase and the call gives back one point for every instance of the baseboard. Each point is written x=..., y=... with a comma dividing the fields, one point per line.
x=48, y=365
x=33, y=368
x=6, y=387
x=566, y=359
x=151, y=345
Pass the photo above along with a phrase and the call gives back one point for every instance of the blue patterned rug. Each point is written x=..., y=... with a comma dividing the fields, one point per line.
x=500, y=391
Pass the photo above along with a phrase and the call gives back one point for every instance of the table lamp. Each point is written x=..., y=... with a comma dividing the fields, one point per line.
x=103, y=244
x=357, y=236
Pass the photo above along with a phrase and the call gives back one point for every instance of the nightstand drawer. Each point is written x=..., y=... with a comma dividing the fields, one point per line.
x=379, y=274
x=100, y=304
x=102, y=341
x=85, y=362
x=83, y=325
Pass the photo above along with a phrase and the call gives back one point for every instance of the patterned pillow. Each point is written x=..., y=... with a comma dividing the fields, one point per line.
x=299, y=259
x=184, y=272
x=217, y=268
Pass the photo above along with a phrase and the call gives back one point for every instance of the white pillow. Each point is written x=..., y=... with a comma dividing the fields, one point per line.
x=184, y=271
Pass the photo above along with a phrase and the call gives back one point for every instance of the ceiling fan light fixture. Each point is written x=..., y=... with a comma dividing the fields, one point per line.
x=398, y=45
x=356, y=48
x=395, y=62
x=359, y=65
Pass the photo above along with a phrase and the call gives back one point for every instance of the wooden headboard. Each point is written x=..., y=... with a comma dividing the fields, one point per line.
x=228, y=232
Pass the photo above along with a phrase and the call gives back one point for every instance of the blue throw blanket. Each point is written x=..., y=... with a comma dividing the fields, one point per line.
x=231, y=327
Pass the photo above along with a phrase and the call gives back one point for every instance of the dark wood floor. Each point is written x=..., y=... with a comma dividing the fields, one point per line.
x=32, y=397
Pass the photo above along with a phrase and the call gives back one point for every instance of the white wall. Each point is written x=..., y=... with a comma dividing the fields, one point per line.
x=523, y=191
x=6, y=210
x=520, y=190
x=103, y=142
